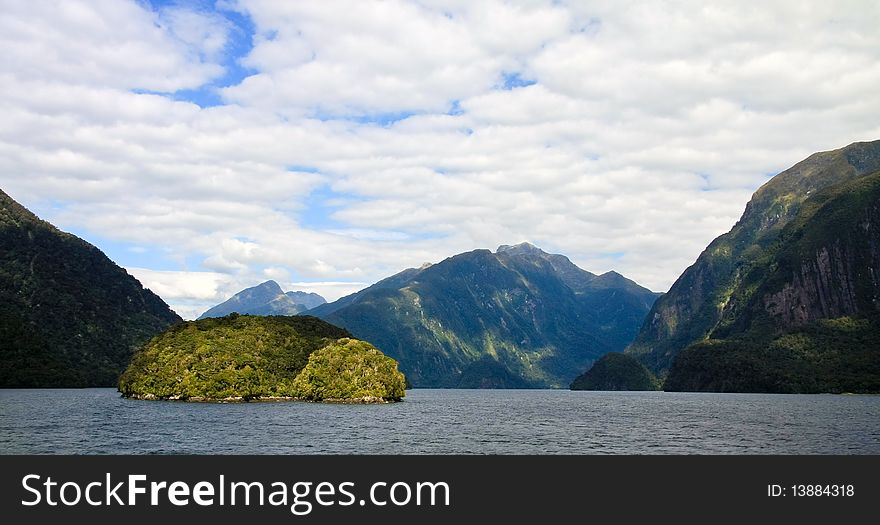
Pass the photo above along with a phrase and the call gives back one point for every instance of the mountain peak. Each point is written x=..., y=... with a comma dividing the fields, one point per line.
x=519, y=298
x=761, y=273
x=266, y=298
x=307, y=299
x=612, y=276
x=269, y=285
x=519, y=249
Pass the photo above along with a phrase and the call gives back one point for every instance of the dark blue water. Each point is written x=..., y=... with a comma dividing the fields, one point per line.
x=98, y=421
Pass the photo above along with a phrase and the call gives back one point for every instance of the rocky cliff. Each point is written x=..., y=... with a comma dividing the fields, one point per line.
x=791, y=259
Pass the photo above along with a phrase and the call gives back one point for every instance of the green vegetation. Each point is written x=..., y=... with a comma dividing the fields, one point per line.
x=517, y=318
x=243, y=357
x=787, y=301
x=785, y=336
x=833, y=355
x=69, y=316
x=489, y=373
x=349, y=369
x=616, y=371
x=721, y=293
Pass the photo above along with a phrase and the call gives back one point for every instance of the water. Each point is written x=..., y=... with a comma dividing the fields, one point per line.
x=98, y=421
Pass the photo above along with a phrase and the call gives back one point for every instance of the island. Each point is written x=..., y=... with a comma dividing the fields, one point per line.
x=616, y=371
x=261, y=358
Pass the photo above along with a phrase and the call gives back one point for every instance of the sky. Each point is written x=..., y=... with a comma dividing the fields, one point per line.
x=207, y=146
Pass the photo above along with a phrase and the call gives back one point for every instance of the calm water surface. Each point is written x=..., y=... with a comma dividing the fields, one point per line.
x=98, y=421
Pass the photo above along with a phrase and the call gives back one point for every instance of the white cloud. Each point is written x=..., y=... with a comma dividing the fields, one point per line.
x=205, y=35
x=182, y=285
x=347, y=56
x=645, y=130
x=106, y=43
x=190, y=294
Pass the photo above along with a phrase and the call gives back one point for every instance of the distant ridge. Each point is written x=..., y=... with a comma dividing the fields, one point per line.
x=265, y=299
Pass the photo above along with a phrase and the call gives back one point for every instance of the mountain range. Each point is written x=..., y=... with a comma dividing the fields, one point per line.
x=265, y=299
x=789, y=299
x=515, y=318
x=69, y=316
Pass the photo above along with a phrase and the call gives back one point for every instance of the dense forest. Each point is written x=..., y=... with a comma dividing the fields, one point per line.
x=69, y=316
x=244, y=357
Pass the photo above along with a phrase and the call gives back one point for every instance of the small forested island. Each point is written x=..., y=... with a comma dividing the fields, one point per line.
x=253, y=358
x=616, y=371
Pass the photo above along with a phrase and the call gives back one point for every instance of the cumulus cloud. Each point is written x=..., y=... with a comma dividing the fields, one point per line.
x=364, y=138
x=190, y=294
x=344, y=57
x=108, y=43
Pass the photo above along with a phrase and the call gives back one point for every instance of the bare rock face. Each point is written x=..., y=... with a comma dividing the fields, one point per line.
x=740, y=279
x=822, y=289
x=837, y=274
x=804, y=314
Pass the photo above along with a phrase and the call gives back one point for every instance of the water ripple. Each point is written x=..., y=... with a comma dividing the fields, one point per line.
x=98, y=421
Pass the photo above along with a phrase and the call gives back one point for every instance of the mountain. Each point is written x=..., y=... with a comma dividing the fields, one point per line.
x=515, y=318
x=265, y=299
x=244, y=358
x=308, y=299
x=788, y=300
x=69, y=316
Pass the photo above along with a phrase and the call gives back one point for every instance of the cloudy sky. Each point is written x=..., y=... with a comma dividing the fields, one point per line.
x=207, y=146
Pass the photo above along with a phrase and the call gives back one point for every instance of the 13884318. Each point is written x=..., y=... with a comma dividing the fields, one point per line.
x=822, y=490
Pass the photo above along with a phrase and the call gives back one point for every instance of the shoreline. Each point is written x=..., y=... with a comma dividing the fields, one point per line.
x=367, y=400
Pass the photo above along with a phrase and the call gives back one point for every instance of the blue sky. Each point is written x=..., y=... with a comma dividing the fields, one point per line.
x=320, y=206
x=207, y=146
x=239, y=43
